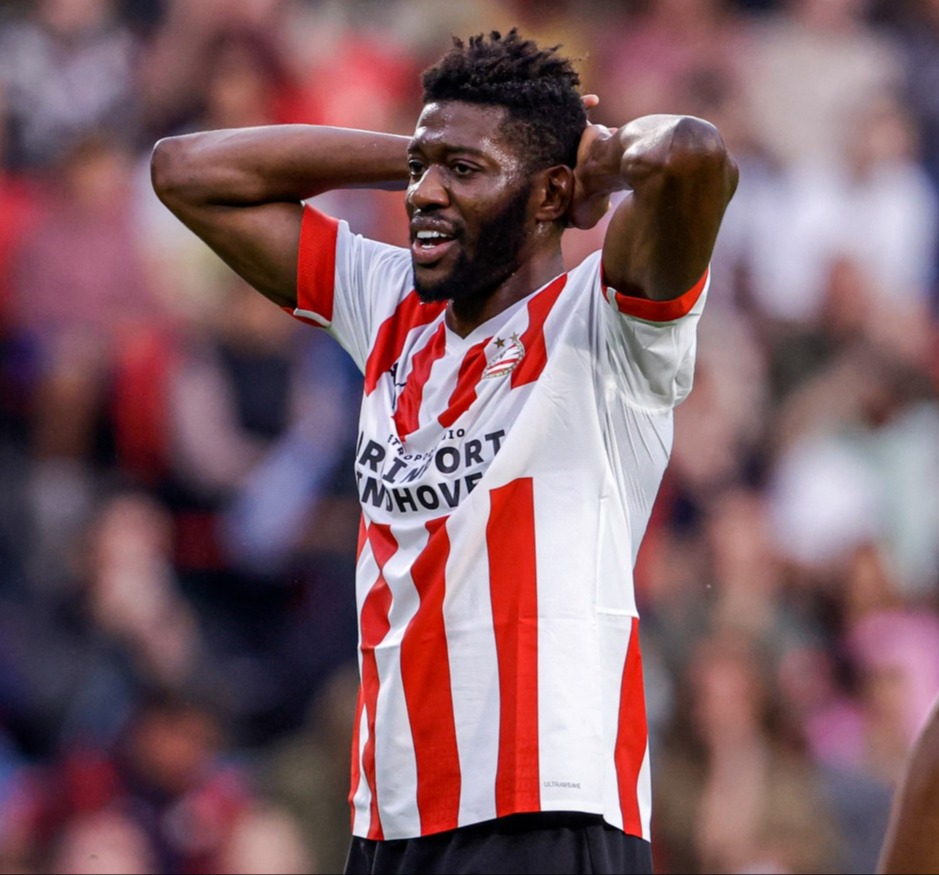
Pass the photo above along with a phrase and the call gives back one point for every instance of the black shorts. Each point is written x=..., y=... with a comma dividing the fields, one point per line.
x=548, y=842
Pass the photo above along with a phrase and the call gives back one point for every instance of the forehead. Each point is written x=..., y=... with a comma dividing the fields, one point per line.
x=454, y=125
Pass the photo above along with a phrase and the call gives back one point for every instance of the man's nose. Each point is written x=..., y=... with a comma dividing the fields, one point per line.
x=429, y=190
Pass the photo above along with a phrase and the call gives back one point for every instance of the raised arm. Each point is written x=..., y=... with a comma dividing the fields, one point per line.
x=241, y=190
x=912, y=843
x=679, y=180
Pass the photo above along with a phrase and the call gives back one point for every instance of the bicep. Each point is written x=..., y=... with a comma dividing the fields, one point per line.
x=260, y=243
x=661, y=236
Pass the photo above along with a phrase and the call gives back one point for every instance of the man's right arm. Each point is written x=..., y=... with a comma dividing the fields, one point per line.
x=241, y=190
x=912, y=843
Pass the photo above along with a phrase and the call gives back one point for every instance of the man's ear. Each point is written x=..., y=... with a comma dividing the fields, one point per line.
x=556, y=192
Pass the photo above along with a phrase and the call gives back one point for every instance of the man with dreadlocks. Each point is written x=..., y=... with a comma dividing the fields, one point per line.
x=515, y=426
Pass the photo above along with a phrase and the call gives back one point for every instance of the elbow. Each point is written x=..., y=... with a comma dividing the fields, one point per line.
x=697, y=136
x=664, y=152
x=697, y=149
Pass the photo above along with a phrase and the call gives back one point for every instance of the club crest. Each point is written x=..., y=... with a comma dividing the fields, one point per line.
x=509, y=355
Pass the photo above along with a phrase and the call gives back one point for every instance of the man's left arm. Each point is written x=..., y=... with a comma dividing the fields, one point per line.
x=912, y=842
x=679, y=179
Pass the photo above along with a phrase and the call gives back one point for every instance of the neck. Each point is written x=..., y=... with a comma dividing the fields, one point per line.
x=466, y=314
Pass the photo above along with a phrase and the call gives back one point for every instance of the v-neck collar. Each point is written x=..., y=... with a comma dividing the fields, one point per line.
x=459, y=345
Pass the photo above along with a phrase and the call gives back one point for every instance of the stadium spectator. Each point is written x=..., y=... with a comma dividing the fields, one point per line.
x=68, y=70
x=810, y=62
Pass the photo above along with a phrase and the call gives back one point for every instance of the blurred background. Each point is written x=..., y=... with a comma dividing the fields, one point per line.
x=178, y=519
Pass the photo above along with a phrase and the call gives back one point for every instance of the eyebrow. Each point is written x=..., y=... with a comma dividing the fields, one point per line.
x=448, y=148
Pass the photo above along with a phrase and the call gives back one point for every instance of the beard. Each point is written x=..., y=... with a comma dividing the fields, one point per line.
x=497, y=247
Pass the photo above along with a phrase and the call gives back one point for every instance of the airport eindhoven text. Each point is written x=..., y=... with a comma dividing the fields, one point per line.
x=384, y=475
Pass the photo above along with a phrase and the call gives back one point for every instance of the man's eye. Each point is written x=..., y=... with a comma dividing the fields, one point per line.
x=415, y=168
x=460, y=168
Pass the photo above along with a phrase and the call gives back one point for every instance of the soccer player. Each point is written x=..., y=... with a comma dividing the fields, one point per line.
x=515, y=426
x=912, y=843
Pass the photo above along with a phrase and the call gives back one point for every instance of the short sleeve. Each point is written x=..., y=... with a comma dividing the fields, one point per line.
x=347, y=283
x=651, y=344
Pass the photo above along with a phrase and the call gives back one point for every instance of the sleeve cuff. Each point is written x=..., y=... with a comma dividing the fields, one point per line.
x=657, y=311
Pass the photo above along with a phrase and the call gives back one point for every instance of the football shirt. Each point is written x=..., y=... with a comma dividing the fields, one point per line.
x=506, y=480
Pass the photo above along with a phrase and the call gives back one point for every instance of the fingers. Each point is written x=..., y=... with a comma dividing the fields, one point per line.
x=588, y=212
x=591, y=133
x=590, y=101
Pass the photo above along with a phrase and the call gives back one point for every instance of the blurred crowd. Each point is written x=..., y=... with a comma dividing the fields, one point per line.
x=178, y=515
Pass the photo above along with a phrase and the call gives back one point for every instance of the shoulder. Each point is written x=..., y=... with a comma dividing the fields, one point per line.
x=588, y=274
x=329, y=239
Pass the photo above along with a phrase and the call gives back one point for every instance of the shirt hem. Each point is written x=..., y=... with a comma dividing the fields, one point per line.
x=474, y=820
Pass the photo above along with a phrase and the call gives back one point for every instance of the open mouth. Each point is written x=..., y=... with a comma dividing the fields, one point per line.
x=428, y=247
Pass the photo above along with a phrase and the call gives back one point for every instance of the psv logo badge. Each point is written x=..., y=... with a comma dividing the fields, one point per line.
x=509, y=356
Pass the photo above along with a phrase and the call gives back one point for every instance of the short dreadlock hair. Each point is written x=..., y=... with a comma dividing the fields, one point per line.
x=537, y=86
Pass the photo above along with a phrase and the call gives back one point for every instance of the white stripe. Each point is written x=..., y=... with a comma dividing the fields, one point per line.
x=416, y=341
x=366, y=576
x=614, y=632
x=569, y=686
x=644, y=793
x=437, y=391
x=362, y=798
x=395, y=762
x=474, y=668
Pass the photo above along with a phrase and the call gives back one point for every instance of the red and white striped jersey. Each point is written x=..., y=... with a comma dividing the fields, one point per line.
x=506, y=480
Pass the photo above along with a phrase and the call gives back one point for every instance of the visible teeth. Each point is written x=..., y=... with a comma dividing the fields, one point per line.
x=428, y=235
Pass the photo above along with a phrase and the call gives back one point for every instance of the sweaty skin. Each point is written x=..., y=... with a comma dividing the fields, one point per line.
x=241, y=192
x=467, y=181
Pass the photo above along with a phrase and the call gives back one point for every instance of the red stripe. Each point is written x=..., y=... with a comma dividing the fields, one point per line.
x=661, y=311
x=632, y=735
x=407, y=414
x=425, y=675
x=363, y=537
x=356, y=751
x=536, y=353
x=374, y=627
x=510, y=538
x=316, y=264
x=393, y=333
x=471, y=372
